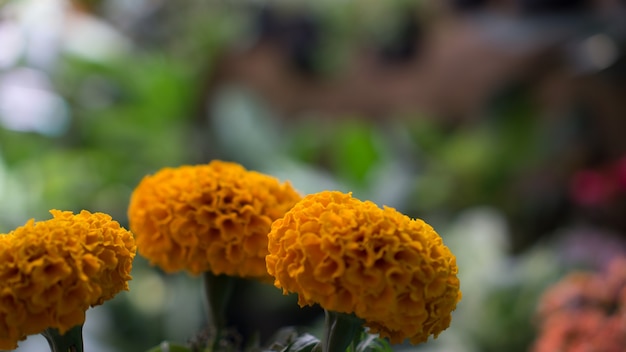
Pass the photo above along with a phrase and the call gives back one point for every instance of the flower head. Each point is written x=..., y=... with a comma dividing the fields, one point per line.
x=584, y=311
x=211, y=217
x=52, y=271
x=354, y=257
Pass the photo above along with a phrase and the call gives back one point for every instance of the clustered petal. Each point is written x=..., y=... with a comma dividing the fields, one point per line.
x=351, y=256
x=211, y=217
x=52, y=271
x=584, y=311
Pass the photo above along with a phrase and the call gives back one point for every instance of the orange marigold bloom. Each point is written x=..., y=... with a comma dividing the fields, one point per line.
x=211, y=217
x=351, y=256
x=52, y=271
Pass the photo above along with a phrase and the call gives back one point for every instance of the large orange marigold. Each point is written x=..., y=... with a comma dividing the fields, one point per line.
x=211, y=217
x=354, y=257
x=52, y=271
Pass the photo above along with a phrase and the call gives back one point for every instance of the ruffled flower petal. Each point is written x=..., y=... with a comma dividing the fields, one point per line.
x=212, y=217
x=351, y=256
x=52, y=271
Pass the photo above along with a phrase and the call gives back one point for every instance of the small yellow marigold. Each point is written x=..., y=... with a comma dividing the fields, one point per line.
x=212, y=217
x=354, y=257
x=52, y=271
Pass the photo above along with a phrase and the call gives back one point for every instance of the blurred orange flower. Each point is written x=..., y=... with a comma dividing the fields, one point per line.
x=351, y=256
x=585, y=311
x=211, y=217
x=52, y=271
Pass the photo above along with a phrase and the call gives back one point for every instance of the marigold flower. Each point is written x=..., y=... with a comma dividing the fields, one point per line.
x=211, y=217
x=351, y=256
x=52, y=271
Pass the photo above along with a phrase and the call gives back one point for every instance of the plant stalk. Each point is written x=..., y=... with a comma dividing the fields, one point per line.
x=71, y=341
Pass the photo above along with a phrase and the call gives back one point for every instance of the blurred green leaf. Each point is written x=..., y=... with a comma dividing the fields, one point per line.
x=16, y=147
x=287, y=340
x=304, y=343
x=167, y=346
x=307, y=142
x=354, y=150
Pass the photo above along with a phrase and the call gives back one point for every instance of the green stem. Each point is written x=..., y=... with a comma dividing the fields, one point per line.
x=340, y=330
x=218, y=289
x=71, y=341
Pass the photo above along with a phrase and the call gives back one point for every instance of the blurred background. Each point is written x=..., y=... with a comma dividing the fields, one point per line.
x=500, y=122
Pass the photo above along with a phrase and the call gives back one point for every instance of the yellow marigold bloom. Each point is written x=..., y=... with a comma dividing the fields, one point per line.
x=52, y=271
x=212, y=217
x=351, y=256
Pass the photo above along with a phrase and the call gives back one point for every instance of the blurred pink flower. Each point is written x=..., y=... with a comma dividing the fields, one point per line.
x=620, y=173
x=590, y=188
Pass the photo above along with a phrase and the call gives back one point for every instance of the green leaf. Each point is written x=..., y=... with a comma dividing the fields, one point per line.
x=373, y=343
x=304, y=343
x=287, y=340
x=340, y=331
x=167, y=346
x=355, y=151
